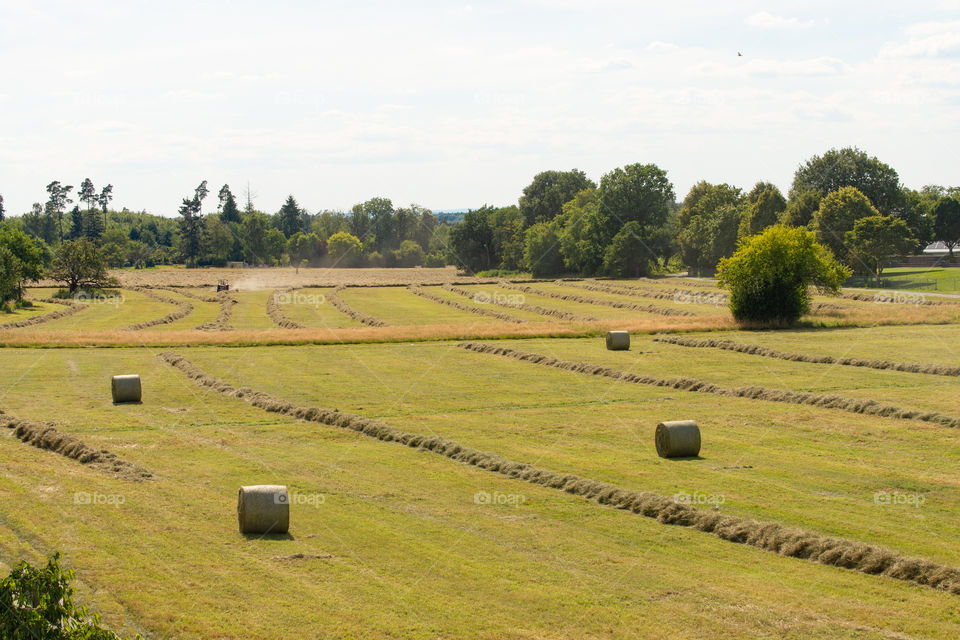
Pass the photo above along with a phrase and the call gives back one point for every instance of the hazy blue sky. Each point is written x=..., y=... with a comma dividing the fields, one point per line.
x=452, y=105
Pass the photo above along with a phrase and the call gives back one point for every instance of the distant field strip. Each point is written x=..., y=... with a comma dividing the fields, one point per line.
x=69, y=309
x=825, y=401
x=47, y=436
x=648, y=308
x=758, y=350
x=362, y=318
x=523, y=306
x=184, y=308
x=275, y=311
x=687, y=296
x=491, y=313
x=222, y=321
x=769, y=536
x=895, y=297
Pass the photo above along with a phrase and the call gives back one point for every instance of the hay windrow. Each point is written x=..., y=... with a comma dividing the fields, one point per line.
x=222, y=321
x=826, y=401
x=276, y=312
x=687, y=296
x=769, y=536
x=647, y=308
x=896, y=297
x=184, y=308
x=506, y=317
x=757, y=350
x=70, y=308
x=47, y=436
x=523, y=306
x=362, y=318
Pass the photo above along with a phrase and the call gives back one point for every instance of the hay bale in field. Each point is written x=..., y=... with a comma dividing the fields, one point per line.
x=678, y=439
x=618, y=341
x=126, y=388
x=263, y=508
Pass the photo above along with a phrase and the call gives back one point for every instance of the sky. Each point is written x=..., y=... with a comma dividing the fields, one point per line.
x=454, y=105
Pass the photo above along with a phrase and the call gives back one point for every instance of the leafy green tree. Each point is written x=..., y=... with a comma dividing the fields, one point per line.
x=851, y=167
x=875, y=240
x=583, y=233
x=306, y=247
x=191, y=225
x=219, y=239
x=763, y=210
x=38, y=604
x=837, y=214
x=253, y=236
x=380, y=211
x=115, y=245
x=544, y=197
x=92, y=224
x=227, y=207
x=542, y=250
x=76, y=224
x=800, y=209
x=946, y=222
x=345, y=249
x=708, y=223
x=411, y=254
x=770, y=274
x=472, y=242
x=276, y=245
x=80, y=265
x=640, y=192
x=359, y=222
x=106, y=195
x=629, y=255
x=328, y=223
x=58, y=201
x=87, y=193
x=23, y=260
x=290, y=218
x=506, y=227
x=2, y=210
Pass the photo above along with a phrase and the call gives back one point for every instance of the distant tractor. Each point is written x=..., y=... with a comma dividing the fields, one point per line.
x=223, y=286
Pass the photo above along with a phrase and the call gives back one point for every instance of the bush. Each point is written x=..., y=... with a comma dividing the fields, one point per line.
x=37, y=604
x=770, y=274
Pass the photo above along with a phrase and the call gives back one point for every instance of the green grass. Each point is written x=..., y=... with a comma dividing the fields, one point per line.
x=942, y=280
x=128, y=307
x=397, y=306
x=412, y=554
x=311, y=308
x=25, y=313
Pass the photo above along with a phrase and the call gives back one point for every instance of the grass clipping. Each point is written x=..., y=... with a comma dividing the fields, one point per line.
x=769, y=536
x=47, y=436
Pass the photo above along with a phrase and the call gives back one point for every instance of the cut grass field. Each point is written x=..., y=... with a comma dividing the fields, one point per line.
x=390, y=541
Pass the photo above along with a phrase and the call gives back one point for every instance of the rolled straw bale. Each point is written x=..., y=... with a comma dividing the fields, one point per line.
x=263, y=508
x=618, y=341
x=678, y=439
x=126, y=388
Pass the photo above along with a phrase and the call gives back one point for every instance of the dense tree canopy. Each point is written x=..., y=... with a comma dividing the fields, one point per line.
x=946, y=222
x=851, y=167
x=544, y=197
x=837, y=214
x=875, y=240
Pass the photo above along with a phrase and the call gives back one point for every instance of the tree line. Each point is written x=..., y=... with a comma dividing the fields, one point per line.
x=628, y=225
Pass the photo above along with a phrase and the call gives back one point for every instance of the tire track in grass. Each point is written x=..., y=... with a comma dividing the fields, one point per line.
x=769, y=536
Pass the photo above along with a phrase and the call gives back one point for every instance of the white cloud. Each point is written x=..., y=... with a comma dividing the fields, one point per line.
x=658, y=46
x=766, y=20
x=926, y=40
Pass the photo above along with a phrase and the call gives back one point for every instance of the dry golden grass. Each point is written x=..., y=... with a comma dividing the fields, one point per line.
x=276, y=278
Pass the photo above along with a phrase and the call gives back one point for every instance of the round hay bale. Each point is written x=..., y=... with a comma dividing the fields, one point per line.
x=618, y=341
x=126, y=389
x=263, y=508
x=678, y=439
